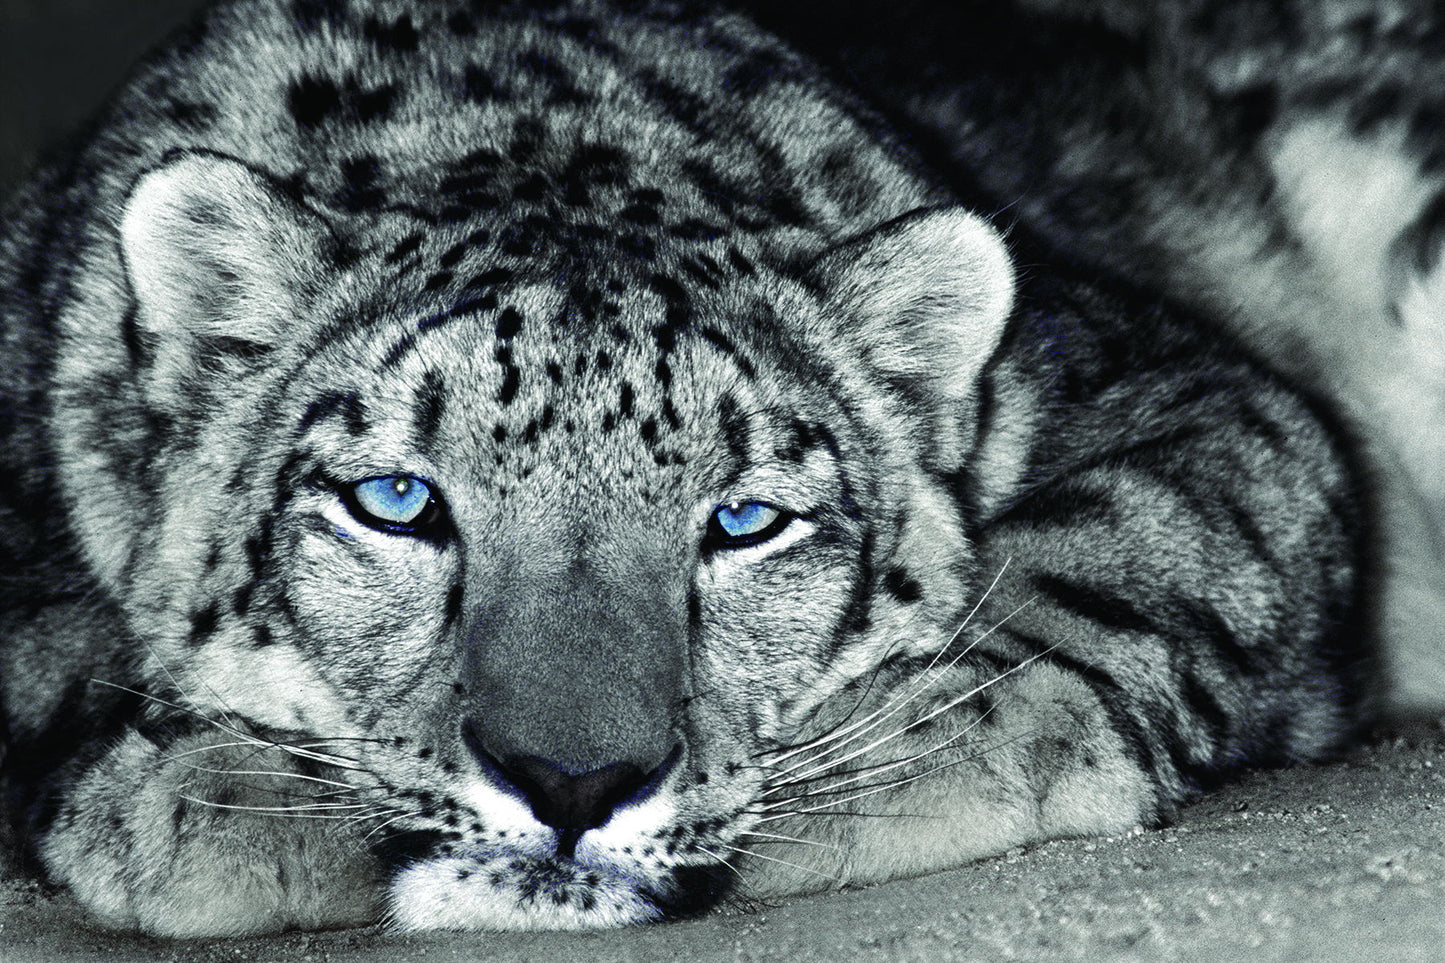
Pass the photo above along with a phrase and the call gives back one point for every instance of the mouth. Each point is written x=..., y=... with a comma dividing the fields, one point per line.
x=512, y=891
x=522, y=889
x=527, y=843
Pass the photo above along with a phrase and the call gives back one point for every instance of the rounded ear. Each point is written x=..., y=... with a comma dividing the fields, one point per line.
x=217, y=257
x=925, y=296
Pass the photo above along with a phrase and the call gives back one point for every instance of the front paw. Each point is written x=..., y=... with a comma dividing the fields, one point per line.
x=203, y=837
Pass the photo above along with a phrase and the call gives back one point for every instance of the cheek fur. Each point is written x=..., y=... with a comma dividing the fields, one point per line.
x=368, y=599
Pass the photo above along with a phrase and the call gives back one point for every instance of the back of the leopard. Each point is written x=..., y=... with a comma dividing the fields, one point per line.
x=1278, y=166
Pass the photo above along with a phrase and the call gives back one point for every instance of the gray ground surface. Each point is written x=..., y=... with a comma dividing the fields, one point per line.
x=1338, y=864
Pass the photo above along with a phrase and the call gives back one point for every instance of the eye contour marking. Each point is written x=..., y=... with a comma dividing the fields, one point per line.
x=737, y=524
x=392, y=503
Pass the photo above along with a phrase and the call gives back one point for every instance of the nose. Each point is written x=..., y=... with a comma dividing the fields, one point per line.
x=570, y=798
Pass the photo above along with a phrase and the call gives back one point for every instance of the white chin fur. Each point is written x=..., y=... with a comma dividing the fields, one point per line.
x=471, y=893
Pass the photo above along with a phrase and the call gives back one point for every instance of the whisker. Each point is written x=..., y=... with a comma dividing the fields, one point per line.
x=926, y=680
x=287, y=775
x=844, y=812
x=730, y=867
x=313, y=742
x=769, y=817
x=869, y=772
x=402, y=815
x=337, y=762
x=225, y=709
x=821, y=766
x=972, y=612
x=174, y=756
x=273, y=810
x=373, y=814
x=248, y=738
x=775, y=837
x=884, y=784
x=827, y=738
x=892, y=784
x=347, y=791
x=865, y=770
x=775, y=859
x=325, y=758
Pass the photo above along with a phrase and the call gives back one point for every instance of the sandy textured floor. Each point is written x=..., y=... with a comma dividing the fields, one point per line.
x=1344, y=862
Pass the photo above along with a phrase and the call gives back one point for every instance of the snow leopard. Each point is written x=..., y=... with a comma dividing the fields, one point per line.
x=486, y=464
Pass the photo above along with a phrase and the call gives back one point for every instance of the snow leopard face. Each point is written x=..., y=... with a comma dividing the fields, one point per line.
x=549, y=558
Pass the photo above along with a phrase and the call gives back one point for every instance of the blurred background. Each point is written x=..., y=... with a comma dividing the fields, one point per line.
x=58, y=61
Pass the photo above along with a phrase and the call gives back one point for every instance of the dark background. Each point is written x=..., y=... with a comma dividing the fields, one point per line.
x=60, y=58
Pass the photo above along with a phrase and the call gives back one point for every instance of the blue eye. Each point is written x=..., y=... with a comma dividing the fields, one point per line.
x=737, y=524
x=394, y=503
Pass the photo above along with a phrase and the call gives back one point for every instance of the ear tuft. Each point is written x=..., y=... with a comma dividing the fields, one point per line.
x=214, y=251
x=926, y=297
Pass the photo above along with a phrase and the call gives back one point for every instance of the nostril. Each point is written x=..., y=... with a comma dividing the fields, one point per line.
x=570, y=799
x=574, y=802
x=578, y=802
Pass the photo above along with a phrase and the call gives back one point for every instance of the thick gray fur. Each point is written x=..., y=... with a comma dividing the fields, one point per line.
x=1278, y=165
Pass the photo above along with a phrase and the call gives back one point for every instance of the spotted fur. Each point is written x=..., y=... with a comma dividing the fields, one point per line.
x=1280, y=165
x=1053, y=555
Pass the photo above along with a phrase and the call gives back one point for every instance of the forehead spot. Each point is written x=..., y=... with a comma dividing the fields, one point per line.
x=405, y=247
x=399, y=36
